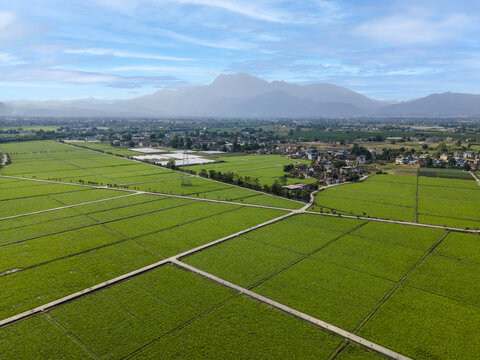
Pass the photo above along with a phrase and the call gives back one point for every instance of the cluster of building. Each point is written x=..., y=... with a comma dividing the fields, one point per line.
x=453, y=160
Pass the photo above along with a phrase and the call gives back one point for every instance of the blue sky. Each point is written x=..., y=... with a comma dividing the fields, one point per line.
x=111, y=49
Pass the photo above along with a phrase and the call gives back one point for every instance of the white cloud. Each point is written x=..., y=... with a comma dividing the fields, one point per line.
x=125, y=54
x=242, y=8
x=6, y=18
x=230, y=45
x=7, y=59
x=165, y=69
x=412, y=29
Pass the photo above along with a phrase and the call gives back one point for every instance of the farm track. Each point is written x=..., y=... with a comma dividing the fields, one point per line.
x=400, y=282
x=322, y=324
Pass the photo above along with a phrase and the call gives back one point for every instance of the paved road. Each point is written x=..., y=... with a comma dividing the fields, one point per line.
x=324, y=325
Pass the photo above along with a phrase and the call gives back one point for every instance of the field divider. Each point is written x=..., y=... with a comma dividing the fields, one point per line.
x=133, y=273
x=387, y=296
x=320, y=323
x=475, y=177
x=400, y=222
x=49, y=317
x=182, y=172
x=67, y=206
x=97, y=223
x=164, y=194
x=416, y=197
x=305, y=256
x=40, y=195
x=259, y=168
x=155, y=181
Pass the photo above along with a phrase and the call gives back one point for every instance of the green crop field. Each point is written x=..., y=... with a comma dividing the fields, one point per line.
x=106, y=148
x=441, y=201
x=265, y=168
x=445, y=173
x=74, y=220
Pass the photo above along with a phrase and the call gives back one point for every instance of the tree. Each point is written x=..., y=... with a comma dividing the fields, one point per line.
x=339, y=164
x=288, y=168
x=452, y=162
x=467, y=167
x=360, y=150
x=428, y=162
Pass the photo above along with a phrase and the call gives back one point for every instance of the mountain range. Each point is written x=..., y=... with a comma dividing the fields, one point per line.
x=243, y=95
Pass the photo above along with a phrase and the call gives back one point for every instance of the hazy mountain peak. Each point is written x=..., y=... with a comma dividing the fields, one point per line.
x=238, y=80
x=244, y=95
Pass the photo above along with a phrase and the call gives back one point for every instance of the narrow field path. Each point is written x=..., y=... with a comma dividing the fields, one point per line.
x=155, y=181
x=320, y=323
x=120, y=278
x=253, y=169
x=470, y=231
x=416, y=196
x=68, y=206
x=182, y=172
x=395, y=287
x=475, y=177
x=304, y=209
x=157, y=194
